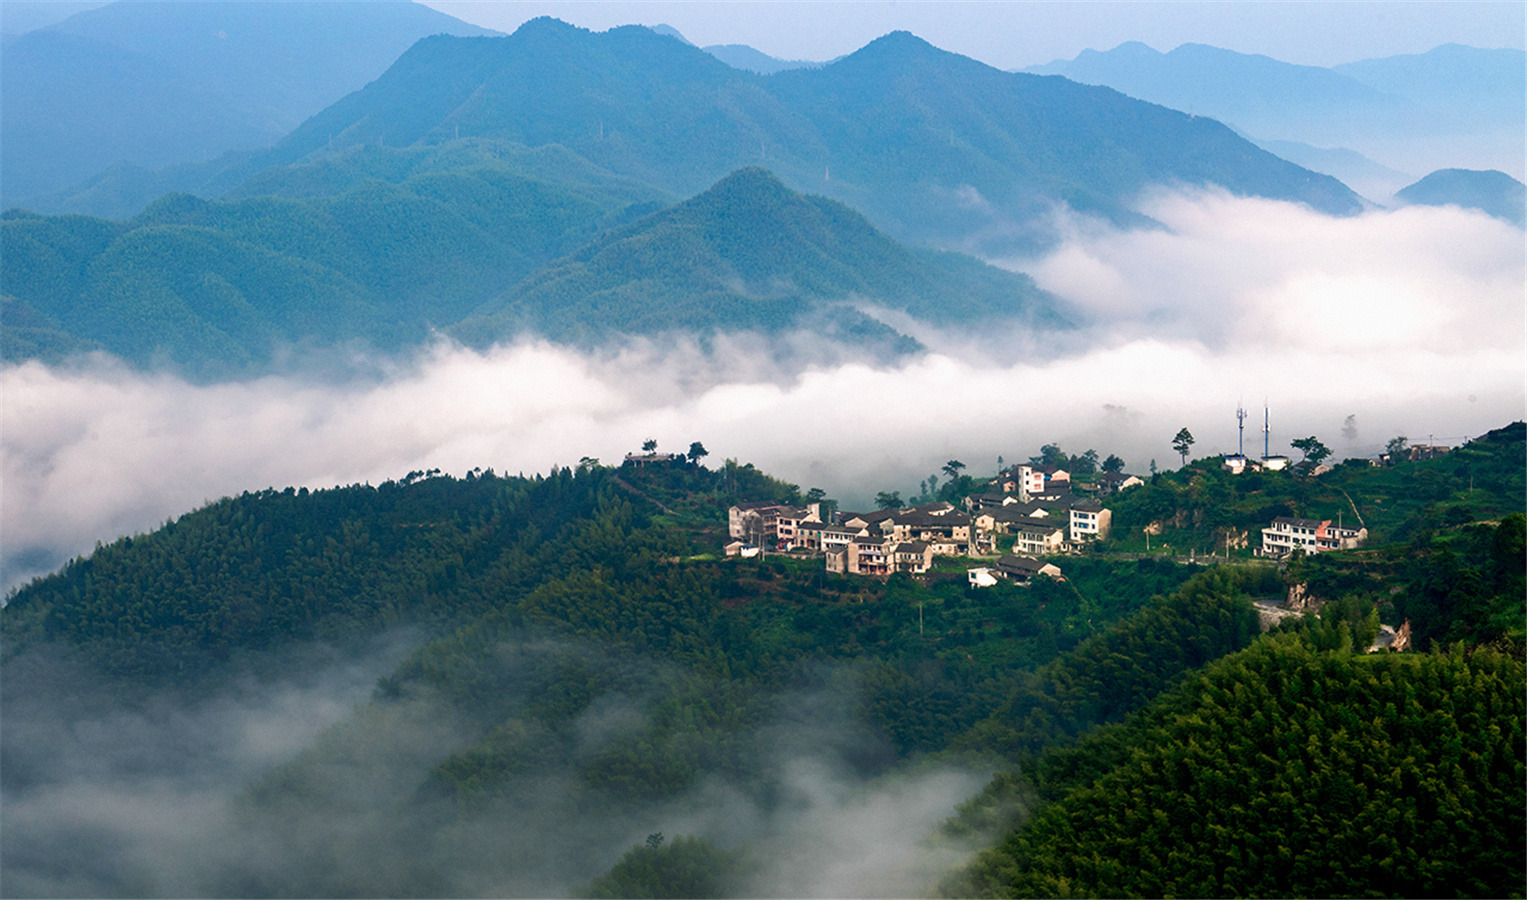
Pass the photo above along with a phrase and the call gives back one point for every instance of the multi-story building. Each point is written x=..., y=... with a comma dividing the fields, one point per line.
x=767, y=523
x=1089, y=521
x=1310, y=535
x=1039, y=540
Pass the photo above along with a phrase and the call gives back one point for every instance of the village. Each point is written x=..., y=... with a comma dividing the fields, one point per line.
x=1028, y=515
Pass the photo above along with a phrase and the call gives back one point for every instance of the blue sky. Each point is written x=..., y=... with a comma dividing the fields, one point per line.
x=1016, y=33
x=1009, y=34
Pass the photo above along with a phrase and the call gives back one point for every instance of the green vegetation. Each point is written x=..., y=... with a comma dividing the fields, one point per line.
x=684, y=867
x=218, y=287
x=224, y=286
x=1292, y=771
x=594, y=664
x=751, y=255
x=1201, y=505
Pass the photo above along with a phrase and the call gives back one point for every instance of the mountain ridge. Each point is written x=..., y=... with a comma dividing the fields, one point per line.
x=750, y=254
x=1449, y=107
x=1023, y=145
x=960, y=155
x=204, y=79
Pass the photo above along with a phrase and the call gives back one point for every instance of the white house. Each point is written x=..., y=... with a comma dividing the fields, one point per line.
x=1038, y=540
x=1310, y=535
x=980, y=576
x=1089, y=521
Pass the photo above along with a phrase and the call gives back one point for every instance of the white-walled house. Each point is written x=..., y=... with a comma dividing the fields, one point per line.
x=1039, y=540
x=1089, y=521
x=1286, y=535
x=766, y=522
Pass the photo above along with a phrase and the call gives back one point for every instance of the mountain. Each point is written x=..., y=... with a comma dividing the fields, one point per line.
x=933, y=147
x=1253, y=92
x=157, y=82
x=749, y=254
x=220, y=287
x=328, y=255
x=1493, y=192
x=1453, y=105
x=1482, y=83
x=741, y=56
x=17, y=17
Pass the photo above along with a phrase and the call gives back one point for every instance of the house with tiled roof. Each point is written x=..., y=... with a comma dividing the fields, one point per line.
x=1113, y=482
x=1024, y=568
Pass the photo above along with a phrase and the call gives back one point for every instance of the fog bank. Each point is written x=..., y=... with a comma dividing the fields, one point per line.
x=292, y=784
x=1410, y=321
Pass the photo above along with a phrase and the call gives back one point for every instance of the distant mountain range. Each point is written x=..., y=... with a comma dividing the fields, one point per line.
x=741, y=56
x=933, y=147
x=157, y=82
x=225, y=288
x=1450, y=106
x=482, y=186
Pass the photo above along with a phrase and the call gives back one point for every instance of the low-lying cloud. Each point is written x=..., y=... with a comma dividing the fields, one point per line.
x=288, y=783
x=1410, y=321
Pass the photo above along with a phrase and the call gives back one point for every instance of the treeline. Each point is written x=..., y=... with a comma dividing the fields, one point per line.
x=261, y=569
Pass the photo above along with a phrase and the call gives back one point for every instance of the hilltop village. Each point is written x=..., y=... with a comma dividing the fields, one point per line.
x=1016, y=524
x=1028, y=512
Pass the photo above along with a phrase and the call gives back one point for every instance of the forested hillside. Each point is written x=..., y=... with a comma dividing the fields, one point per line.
x=583, y=661
x=933, y=147
x=751, y=255
x=579, y=633
x=224, y=287
x=899, y=130
x=1296, y=768
x=344, y=258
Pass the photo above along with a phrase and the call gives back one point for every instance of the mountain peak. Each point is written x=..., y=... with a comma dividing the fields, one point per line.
x=749, y=180
x=897, y=45
x=670, y=31
x=1490, y=191
x=548, y=26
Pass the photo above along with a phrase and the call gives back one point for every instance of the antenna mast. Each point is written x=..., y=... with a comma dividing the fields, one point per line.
x=1240, y=421
x=1266, y=432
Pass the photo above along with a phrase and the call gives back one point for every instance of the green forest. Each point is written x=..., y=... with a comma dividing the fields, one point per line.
x=584, y=658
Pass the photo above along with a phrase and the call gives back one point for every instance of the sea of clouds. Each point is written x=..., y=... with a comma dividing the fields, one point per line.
x=1409, y=321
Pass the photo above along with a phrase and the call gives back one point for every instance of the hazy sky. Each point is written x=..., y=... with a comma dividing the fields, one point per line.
x=1015, y=33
